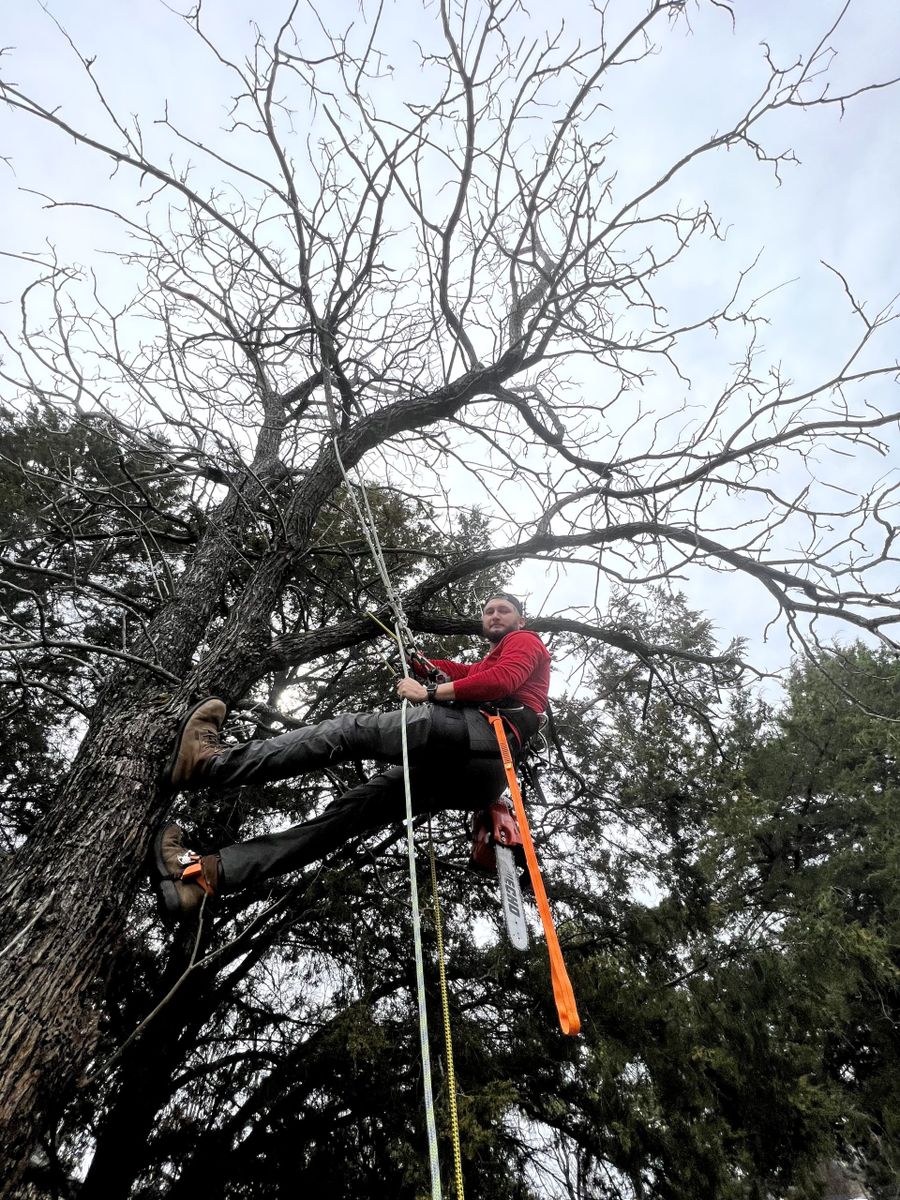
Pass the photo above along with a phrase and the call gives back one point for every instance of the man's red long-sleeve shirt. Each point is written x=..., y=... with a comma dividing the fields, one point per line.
x=518, y=669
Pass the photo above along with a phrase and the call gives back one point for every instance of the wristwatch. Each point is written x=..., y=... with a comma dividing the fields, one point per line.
x=430, y=690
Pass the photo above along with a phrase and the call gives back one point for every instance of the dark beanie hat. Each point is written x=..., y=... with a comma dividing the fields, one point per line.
x=516, y=603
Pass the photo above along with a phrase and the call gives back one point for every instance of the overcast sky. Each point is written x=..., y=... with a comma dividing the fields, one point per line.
x=839, y=205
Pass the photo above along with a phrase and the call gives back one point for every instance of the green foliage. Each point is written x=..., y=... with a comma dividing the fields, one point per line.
x=724, y=878
x=77, y=502
x=822, y=860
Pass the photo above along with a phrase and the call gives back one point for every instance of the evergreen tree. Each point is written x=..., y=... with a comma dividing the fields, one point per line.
x=814, y=850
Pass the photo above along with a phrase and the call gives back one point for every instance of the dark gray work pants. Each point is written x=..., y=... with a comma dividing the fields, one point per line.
x=454, y=764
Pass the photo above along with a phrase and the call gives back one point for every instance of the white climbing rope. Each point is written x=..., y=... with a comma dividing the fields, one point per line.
x=430, y=1121
x=370, y=533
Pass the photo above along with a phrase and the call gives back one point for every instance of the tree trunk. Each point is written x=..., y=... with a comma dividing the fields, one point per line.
x=72, y=884
x=64, y=909
x=145, y=1085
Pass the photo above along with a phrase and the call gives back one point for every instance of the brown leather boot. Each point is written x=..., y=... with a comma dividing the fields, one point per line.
x=182, y=877
x=196, y=742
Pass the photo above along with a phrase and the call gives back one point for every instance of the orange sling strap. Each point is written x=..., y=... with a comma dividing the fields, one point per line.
x=569, y=1021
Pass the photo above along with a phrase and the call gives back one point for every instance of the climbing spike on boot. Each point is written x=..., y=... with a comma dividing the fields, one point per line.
x=181, y=877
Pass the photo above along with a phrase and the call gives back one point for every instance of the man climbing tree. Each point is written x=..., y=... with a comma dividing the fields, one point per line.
x=467, y=269
x=452, y=750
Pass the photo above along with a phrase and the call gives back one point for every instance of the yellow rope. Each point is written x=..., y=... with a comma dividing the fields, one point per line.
x=445, y=1009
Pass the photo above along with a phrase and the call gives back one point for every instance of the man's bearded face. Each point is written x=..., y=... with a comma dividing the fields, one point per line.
x=498, y=618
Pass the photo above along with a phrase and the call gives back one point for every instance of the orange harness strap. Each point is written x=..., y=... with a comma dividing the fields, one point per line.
x=569, y=1021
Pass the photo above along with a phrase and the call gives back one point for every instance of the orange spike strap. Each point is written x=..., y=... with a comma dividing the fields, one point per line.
x=193, y=873
x=569, y=1021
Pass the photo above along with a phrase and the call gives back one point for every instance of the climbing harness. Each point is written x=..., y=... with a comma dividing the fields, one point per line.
x=569, y=1021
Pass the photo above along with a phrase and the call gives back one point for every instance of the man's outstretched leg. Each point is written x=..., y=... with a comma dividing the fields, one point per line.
x=199, y=758
x=184, y=876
